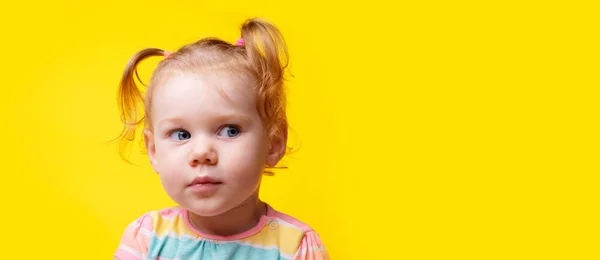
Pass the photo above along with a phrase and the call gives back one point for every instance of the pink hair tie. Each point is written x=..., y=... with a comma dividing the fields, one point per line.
x=240, y=42
x=167, y=54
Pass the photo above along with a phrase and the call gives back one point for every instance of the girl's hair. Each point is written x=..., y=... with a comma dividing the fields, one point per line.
x=261, y=58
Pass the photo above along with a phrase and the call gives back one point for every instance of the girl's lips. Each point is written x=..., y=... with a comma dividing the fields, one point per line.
x=204, y=180
x=204, y=186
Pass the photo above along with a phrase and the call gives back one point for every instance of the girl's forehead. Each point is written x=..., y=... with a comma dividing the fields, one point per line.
x=205, y=87
x=202, y=97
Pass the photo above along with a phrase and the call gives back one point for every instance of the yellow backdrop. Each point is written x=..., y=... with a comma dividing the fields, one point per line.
x=426, y=129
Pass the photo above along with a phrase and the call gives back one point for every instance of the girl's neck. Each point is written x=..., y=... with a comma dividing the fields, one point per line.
x=235, y=221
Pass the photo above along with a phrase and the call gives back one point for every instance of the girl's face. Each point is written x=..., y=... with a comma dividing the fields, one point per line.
x=208, y=143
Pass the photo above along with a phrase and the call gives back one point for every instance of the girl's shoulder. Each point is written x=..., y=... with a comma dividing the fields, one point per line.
x=287, y=220
x=159, y=216
x=307, y=242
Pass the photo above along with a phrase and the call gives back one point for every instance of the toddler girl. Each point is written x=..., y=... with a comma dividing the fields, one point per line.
x=214, y=122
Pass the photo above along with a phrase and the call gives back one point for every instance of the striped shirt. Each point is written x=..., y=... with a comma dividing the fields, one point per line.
x=167, y=234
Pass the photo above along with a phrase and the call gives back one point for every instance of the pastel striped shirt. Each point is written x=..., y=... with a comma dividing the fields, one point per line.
x=167, y=234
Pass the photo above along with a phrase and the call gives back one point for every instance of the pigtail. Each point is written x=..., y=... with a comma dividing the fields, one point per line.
x=268, y=57
x=267, y=52
x=130, y=98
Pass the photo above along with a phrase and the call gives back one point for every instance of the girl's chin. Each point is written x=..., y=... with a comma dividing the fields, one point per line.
x=206, y=208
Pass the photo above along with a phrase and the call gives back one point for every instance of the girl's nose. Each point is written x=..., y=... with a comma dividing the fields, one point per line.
x=203, y=154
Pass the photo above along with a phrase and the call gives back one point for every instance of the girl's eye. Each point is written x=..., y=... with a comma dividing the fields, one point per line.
x=229, y=131
x=181, y=135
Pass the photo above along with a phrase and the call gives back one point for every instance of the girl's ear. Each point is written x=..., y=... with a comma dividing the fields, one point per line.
x=277, y=146
x=151, y=148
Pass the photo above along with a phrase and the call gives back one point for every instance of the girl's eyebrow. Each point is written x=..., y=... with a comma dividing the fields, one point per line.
x=233, y=116
x=169, y=121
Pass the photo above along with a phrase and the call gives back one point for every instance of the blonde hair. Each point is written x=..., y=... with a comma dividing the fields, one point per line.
x=263, y=59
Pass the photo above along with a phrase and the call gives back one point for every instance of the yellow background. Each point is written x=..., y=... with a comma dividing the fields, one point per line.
x=427, y=129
